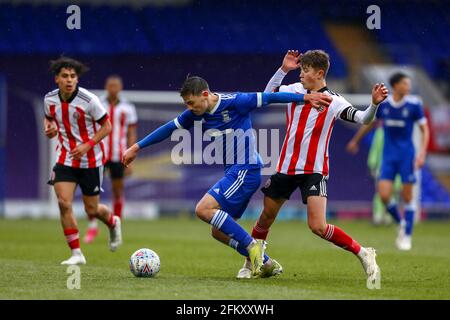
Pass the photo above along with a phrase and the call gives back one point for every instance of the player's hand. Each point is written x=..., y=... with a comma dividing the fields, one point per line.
x=130, y=154
x=80, y=151
x=379, y=93
x=50, y=129
x=420, y=161
x=352, y=147
x=291, y=61
x=318, y=100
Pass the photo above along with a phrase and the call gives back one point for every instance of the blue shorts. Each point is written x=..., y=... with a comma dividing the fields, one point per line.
x=404, y=167
x=234, y=191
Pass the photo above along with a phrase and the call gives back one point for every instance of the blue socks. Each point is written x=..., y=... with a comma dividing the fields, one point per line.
x=222, y=221
x=392, y=209
x=410, y=210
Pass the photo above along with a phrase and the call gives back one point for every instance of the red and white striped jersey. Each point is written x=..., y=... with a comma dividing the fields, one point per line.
x=308, y=131
x=122, y=116
x=77, y=120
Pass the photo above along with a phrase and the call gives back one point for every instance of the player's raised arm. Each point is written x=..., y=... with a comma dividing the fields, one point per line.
x=351, y=114
x=291, y=61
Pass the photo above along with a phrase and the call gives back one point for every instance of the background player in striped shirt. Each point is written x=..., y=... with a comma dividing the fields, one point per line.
x=398, y=114
x=79, y=120
x=303, y=161
x=226, y=117
x=123, y=117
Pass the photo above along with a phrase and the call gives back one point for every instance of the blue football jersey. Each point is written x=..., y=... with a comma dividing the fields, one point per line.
x=398, y=122
x=229, y=124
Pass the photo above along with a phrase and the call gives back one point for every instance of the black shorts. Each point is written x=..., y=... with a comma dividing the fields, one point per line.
x=90, y=179
x=281, y=186
x=116, y=169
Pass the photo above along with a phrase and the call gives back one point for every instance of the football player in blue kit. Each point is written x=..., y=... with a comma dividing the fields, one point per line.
x=398, y=114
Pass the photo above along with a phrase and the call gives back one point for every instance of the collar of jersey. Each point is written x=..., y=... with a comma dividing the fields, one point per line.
x=320, y=90
x=217, y=104
x=74, y=94
x=398, y=104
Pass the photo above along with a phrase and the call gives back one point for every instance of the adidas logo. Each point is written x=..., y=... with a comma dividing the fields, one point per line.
x=313, y=188
x=216, y=190
x=96, y=189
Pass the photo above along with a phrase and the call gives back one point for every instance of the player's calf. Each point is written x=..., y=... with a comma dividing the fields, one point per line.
x=318, y=228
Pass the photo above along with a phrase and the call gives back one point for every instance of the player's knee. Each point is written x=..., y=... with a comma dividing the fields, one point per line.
x=385, y=197
x=407, y=197
x=201, y=211
x=91, y=209
x=64, y=204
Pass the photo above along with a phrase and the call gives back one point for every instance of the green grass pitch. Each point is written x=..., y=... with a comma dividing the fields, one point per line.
x=194, y=266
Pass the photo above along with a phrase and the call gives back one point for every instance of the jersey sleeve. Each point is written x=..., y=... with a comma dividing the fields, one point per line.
x=287, y=88
x=419, y=115
x=97, y=110
x=186, y=120
x=132, y=115
x=379, y=113
x=344, y=109
x=47, y=110
x=246, y=102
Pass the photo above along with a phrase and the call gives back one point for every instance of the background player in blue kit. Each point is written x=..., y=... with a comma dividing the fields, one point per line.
x=226, y=201
x=398, y=114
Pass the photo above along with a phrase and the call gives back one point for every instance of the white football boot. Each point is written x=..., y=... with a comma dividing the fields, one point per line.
x=369, y=263
x=405, y=244
x=76, y=258
x=246, y=271
x=115, y=235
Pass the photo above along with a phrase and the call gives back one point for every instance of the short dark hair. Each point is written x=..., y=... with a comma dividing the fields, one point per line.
x=68, y=63
x=317, y=59
x=193, y=86
x=396, y=78
x=114, y=77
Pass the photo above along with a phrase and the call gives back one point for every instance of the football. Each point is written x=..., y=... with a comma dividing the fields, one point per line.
x=144, y=263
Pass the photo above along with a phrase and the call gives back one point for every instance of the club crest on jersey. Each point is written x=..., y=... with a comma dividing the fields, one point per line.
x=405, y=113
x=76, y=115
x=225, y=116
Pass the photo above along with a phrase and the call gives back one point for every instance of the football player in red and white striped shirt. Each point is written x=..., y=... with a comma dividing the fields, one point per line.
x=303, y=161
x=79, y=120
x=123, y=117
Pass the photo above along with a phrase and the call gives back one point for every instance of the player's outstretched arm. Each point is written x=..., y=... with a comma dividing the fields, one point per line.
x=316, y=99
x=353, y=145
x=156, y=136
x=291, y=61
x=379, y=94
